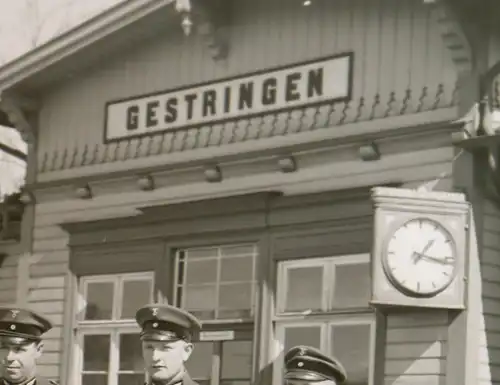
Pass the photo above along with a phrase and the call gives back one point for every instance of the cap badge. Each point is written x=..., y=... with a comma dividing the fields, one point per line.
x=12, y=327
x=14, y=313
x=300, y=364
x=155, y=325
x=154, y=311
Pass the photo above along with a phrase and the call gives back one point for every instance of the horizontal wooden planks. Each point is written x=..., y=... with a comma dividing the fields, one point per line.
x=489, y=326
x=416, y=347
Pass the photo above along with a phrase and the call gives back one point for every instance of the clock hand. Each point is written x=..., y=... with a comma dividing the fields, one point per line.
x=428, y=246
x=434, y=259
x=418, y=256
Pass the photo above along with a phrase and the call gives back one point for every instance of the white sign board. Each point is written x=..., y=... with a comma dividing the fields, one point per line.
x=317, y=82
x=217, y=336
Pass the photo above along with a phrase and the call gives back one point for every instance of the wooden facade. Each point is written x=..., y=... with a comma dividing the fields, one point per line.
x=407, y=97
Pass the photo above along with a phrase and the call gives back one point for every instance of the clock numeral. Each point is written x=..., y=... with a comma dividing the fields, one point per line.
x=447, y=240
x=446, y=273
x=418, y=286
x=434, y=285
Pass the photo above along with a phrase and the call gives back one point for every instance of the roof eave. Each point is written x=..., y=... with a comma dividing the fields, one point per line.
x=64, y=46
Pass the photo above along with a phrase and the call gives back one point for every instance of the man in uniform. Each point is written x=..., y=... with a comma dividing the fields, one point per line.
x=166, y=336
x=307, y=365
x=21, y=345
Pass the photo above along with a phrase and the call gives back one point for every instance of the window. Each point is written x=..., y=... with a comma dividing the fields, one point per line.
x=108, y=345
x=222, y=362
x=217, y=283
x=324, y=303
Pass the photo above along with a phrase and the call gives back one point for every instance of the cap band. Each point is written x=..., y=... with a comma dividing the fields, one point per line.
x=164, y=331
x=300, y=365
x=6, y=340
x=18, y=329
x=304, y=376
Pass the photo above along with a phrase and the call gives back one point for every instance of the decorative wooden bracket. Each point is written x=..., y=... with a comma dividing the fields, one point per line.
x=210, y=20
x=18, y=110
x=453, y=32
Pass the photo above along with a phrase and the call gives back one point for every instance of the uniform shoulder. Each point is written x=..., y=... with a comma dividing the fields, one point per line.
x=44, y=381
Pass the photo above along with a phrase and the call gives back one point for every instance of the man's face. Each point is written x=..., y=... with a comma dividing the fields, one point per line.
x=18, y=362
x=165, y=359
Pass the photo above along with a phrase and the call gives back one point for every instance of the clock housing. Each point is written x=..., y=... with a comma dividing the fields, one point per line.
x=419, y=248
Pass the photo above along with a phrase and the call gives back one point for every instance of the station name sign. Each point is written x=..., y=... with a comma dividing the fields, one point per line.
x=318, y=82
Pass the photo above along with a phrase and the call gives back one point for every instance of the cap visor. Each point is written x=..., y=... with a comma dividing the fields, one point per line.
x=159, y=337
x=304, y=376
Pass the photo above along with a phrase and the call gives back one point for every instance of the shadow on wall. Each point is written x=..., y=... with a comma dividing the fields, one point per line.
x=487, y=290
x=415, y=346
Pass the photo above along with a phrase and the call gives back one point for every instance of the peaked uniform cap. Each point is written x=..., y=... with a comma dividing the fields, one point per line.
x=166, y=323
x=305, y=363
x=21, y=325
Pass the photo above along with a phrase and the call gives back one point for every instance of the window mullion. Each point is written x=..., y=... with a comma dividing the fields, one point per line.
x=253, y=299
x=114, y=358
x=217, y=282
x=328, y=279
x=327, y=338
x=117, y=298
x=216, y=363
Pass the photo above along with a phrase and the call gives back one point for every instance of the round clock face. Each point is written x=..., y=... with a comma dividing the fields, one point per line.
x=420, y=258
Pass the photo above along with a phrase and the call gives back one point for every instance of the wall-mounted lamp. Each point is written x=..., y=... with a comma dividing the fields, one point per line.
x=26, y=198
x=184, y=9
x=83, y=192
x=146, y=182
x=213, y=174
x=369, y=152
x=287, y=164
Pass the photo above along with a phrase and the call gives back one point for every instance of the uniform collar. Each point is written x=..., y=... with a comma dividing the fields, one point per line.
x=29, y=382
x=185, y=380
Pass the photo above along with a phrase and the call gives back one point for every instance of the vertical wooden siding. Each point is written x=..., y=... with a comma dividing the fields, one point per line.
x=48, y=273
x=489, y=325
x=398, y=52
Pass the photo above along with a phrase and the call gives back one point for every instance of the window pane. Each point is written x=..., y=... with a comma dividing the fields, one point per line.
x=99, y=301
x=96, y=352
x=201, y=253
x=199, y=364
x=235, y=296
x=350, y=344
x=131, y=353
x=305, y=288
x=200, y=297
x=352, y=285
x=131, y=379
x=236, y=269
x=135, y=295
x=302, y=335
x=94, y=379
x=232, y=382
x=236, y=360
x=234, y=250
x=203, y=271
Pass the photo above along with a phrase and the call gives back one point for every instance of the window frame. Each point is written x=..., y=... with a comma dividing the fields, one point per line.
x=329, y=264
x=254, y=282
x=325, y=322
x=327, y=318
x=113, y=327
